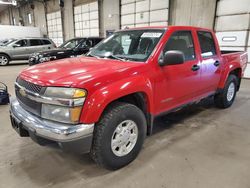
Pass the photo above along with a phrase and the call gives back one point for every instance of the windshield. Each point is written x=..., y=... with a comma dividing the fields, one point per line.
x=135, y=45
x=71, y=43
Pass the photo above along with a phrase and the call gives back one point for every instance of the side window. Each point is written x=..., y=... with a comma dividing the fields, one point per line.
x=97, y=41
x=206, y=43
x=46, y=42
x=88, y=43
x=35, y=42
x=21, y=43
x=181, y=41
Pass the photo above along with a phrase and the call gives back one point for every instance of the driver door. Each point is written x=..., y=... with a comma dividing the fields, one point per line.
x=20, y=50
x=181, y=82
x=84, y=47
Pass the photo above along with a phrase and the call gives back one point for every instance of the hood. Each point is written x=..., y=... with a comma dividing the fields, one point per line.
x=54, y=52
x=4, y=47
x=76, y=72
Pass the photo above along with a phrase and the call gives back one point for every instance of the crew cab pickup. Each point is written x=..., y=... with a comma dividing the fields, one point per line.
x=105, y=103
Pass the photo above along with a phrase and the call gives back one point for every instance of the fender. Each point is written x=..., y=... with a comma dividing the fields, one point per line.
x=228, y=68
x=96, y=103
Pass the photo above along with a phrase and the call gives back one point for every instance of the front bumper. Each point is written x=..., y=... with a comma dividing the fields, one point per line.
x=77, y=138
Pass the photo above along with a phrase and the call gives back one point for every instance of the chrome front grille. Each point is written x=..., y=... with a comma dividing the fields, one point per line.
x=29, y=86
x=28, y=104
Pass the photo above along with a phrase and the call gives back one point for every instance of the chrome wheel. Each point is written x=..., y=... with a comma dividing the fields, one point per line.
x=4, y=60
x=230, y=91
x=124, y=138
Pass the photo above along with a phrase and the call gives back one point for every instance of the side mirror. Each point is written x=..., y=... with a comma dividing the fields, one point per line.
x=172, y=57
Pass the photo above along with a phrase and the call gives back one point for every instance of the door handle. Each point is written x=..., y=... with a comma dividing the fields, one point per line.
x=216, y=63
x=195, y=67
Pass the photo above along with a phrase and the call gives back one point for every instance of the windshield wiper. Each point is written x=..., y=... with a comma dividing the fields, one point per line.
x=115, y=57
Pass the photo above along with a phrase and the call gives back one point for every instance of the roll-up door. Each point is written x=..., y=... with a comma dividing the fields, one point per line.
x=54, y=21
x=137, y=13
x=86, y=20
x=232, y=26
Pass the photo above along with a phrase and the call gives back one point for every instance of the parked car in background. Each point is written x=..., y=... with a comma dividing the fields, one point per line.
x=105, y=103
x=21, y=49
x=70, y=48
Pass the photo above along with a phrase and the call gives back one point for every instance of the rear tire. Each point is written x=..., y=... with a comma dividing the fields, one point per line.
x=226, y=97
x=118, y=136
x=4, y=60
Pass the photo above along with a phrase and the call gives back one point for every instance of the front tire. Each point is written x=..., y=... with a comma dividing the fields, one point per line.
x=4, y=60
x=226, y=98
x=118, y=136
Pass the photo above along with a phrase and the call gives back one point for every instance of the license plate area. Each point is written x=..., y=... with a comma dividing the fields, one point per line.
x=18, y=126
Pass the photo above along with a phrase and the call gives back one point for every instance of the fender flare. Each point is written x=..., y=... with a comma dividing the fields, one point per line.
x=227, y=70
x=98, y=101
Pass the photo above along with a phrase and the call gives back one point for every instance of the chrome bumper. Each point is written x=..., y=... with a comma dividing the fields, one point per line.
x=47, y=129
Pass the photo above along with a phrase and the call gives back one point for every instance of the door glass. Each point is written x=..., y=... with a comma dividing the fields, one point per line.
x=206, y=43
x=21, y=43
x=70, y=44
x=88, y=43
x=97, y=41
x=181, y=41
x=35, y=42
x=46, y=42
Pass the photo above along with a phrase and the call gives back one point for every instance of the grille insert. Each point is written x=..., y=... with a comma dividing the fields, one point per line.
x=30, y=105
x=29, y=86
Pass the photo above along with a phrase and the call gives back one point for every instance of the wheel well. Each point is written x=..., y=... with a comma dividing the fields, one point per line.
x=138, y=99
x=237, y=72
x=6, y=55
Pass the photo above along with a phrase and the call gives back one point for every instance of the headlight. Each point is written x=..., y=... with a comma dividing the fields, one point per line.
x=63, y=104
x=61, y=92
x=61, y=114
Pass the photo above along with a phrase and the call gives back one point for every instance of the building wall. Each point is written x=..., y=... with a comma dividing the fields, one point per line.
x=199, y=13
x=5, y=17
x=68, y=20
x=39, y=17
x=110, y=15
x=233, y=26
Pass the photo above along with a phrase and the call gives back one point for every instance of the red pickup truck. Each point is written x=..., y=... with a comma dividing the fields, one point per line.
x=105, y=103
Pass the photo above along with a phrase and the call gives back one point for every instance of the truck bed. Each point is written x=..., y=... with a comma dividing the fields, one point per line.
x=235, y=56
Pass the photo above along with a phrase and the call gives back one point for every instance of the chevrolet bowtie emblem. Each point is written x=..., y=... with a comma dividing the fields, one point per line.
x=22, y=92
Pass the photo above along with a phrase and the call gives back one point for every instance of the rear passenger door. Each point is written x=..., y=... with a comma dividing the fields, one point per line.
x=47, y=44
x=210, y=62
x=35, y=45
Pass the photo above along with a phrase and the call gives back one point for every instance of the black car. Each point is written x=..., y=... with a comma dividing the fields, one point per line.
x=70, y=48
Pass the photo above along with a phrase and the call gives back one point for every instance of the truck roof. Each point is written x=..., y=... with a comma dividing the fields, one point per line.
x=168, y=27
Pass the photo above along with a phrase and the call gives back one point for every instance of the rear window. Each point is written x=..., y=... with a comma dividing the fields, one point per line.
x=46, y=42
x=206, y=43
x=35, y=42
